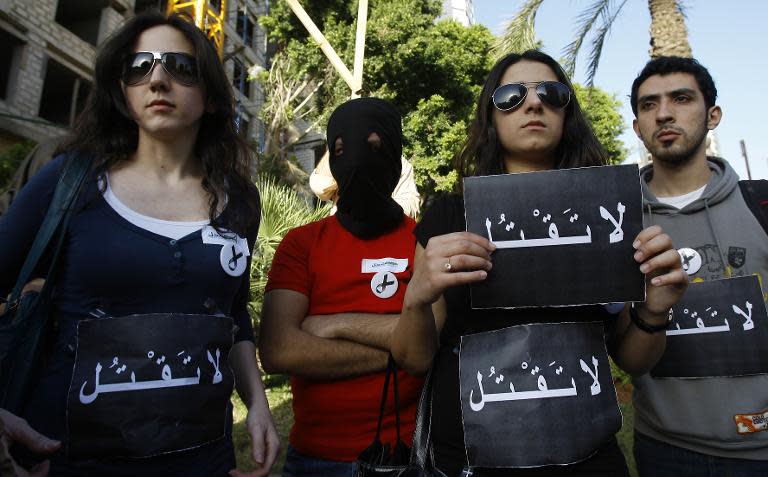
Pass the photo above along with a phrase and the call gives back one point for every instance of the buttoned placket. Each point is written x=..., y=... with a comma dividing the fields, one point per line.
x=177, y=260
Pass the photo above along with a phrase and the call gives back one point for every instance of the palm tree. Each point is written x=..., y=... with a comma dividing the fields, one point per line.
x=669, y=36
x=282, y=209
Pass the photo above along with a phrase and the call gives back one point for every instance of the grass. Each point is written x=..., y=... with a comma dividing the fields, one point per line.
x=280, y=404
x=626, y=436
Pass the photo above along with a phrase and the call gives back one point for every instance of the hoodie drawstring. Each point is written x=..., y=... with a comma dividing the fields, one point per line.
x=650, y=215
x=717, y=240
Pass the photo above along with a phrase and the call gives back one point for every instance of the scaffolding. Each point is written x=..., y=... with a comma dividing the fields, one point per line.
x=208, y=16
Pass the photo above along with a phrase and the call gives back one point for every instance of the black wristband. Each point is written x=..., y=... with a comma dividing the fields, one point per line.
x=648, y=328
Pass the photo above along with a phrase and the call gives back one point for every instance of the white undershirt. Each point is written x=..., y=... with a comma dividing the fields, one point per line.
x=680, y=201
x=167, y=228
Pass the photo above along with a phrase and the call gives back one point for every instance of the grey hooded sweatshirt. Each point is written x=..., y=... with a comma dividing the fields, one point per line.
x=698, y=414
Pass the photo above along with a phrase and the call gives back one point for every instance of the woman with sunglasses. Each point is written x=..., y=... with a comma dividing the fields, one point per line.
x=164, y=224
x=527, y=119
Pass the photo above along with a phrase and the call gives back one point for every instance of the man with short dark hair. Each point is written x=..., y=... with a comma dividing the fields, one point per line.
x=697, y=426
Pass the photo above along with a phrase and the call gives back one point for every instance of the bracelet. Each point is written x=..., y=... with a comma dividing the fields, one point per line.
x=648, y=328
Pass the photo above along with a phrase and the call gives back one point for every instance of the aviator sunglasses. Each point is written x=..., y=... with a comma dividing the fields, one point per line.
x=509, y=96
x=182, y=67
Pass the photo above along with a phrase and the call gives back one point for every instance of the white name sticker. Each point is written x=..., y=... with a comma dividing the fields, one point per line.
x=212, y=236
x=375, y=265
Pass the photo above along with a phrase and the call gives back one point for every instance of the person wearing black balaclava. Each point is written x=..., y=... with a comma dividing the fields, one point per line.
x=325, y=187
x=365, y=140
x=334, y=296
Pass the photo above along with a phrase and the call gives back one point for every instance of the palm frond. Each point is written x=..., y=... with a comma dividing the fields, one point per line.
x=597, y=43
x=519, y=34
x=282, y=209
x=586, y=20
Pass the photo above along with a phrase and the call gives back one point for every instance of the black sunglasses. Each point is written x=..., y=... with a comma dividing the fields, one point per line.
x=182, y=67
x=509, y=96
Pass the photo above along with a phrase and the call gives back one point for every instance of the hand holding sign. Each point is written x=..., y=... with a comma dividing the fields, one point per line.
x=718, y=328
x=665, y=279
x=448, y=260
x=560, y=239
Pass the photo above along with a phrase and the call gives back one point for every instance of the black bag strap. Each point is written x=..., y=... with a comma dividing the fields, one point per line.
x=70, y=183
x=391, y=371
x=396, y=396
x=421, y=452
x=755, y=193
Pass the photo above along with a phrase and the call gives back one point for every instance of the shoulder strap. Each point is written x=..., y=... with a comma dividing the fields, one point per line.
x=755, y=194
x=391, y=372
x=72, y=178
x=421, y=450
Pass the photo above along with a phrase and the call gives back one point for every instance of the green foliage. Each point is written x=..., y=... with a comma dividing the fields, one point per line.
x=595, y=22
x=10, y=160
x=432, y=71
x=280, y=399
x=282, y=25
x=619, y=375
x=602, y=110
x=520, y=33
x=282, y=209
x=422, y=66
x=432, y=139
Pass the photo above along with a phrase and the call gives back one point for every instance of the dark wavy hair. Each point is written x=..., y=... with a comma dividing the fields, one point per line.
x=482, y=152
x=665, y=65
x=106, y=131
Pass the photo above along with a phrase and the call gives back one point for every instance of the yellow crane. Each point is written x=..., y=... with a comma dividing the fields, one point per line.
x=207, y=17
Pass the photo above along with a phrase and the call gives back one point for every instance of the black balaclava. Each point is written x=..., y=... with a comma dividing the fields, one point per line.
x=366, y=176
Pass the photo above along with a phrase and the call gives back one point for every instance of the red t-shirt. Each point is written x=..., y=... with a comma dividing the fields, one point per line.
x=336, y=420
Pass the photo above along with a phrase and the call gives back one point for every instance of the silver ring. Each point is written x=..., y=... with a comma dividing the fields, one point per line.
x=448, y=266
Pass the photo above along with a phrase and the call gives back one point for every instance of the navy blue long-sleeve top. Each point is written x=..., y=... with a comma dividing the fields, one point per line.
x=112, y=265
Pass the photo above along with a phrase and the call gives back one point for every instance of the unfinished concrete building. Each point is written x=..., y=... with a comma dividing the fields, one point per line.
x=48, y=46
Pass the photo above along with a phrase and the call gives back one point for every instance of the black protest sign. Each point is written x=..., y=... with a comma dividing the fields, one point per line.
x=148, y=384
x=563, y=237
x=535, y=395
x=719, y=328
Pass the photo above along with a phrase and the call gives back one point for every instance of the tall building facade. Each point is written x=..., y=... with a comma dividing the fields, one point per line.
x=48, y=48
x=460, y=10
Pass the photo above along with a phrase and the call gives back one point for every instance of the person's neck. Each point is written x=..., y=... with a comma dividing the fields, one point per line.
x=167, y=160
x=514, y=165
x=671, y=180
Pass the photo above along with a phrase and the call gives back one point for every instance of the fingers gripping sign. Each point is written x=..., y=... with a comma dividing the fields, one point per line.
x=449, y=260
x=659, y=261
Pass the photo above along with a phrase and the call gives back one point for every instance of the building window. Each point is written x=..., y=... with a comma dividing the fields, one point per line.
x=242, y=126
x=64, y=94
x=240, y=78
x=245, y=28
x=81, y=17
x=215, y=5
x=142, y=5
x=9, y=61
